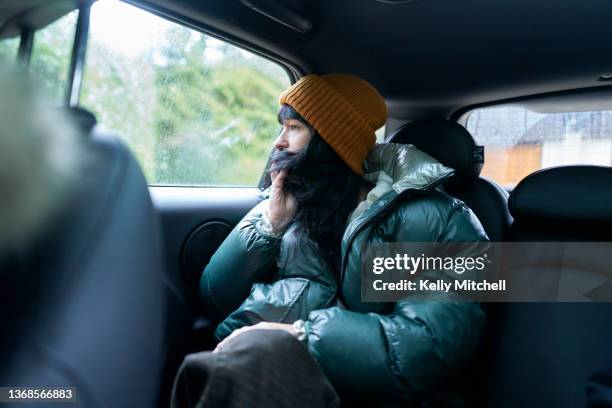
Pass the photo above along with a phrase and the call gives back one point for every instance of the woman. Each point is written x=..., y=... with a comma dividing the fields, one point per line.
x=292, y=265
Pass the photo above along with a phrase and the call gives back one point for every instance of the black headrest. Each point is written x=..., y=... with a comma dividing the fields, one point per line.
x=83, y=118
x=449, y=143
x=575, y=194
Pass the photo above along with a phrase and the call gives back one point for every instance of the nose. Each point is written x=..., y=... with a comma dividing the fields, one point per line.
x=281, y=141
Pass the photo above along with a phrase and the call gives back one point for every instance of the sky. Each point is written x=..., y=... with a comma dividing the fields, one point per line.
x=129, y=30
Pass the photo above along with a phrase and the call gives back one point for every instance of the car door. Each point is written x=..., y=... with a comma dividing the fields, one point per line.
x=198, y=113
x=200, y=116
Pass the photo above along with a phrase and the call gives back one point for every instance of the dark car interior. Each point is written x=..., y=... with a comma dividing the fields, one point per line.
x=131, y=254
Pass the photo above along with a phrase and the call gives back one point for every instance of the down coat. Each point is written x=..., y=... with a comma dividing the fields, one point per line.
x=402, y=350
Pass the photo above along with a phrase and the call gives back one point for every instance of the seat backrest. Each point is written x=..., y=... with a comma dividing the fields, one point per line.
x=452, y=145
x=565, y=203
x=83, y=303
x=542, y=354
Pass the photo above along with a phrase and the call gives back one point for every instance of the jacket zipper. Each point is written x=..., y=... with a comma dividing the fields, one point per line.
x=380, y=214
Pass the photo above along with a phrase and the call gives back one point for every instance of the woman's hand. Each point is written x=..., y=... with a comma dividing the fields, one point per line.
x=262, y=325
x=282, y=205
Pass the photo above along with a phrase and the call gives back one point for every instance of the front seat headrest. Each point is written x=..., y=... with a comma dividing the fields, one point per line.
x=84, y=119
x=579, y=195
x=449, y=143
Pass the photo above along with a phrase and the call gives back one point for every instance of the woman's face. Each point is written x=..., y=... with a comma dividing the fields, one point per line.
x=294, y=136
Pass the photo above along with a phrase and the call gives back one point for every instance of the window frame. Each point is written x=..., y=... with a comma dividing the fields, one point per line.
x=461, y=114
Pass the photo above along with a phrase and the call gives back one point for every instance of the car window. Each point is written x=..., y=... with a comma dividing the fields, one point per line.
x=8, y=49
x=195, y=110
x=51, y=53
x=519, y=141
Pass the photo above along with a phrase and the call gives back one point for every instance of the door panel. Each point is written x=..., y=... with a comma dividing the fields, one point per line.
x=184, y=209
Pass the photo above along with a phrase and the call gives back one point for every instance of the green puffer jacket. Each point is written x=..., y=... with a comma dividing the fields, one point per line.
x=400, y=350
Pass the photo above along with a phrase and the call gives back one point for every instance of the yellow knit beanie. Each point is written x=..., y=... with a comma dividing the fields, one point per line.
x=345, y=109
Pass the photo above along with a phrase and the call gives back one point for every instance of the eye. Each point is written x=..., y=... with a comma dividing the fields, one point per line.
x=294, y=127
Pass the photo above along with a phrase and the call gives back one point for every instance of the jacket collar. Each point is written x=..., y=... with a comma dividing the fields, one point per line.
x=409, y=167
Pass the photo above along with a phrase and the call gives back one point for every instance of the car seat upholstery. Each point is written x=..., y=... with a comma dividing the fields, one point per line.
x=568, y=203
x=452, y=145
x=83, y=302
x=541, y=354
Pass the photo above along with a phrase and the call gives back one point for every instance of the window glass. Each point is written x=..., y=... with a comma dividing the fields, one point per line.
x=8, y=49
x=195, y=110
x=519, y=141
x=51, y=53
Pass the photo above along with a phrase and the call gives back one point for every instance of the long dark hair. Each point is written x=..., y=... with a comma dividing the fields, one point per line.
x=325, y=189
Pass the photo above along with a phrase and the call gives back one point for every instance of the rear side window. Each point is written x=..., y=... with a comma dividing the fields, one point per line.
x=195, y=110
x=519, y=141
x=8, y=49
x=51, y=53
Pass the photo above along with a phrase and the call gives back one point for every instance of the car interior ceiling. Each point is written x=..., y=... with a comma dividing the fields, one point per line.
x=16, y=14
x=429, y=58
x=424, y=74
x=429, y=73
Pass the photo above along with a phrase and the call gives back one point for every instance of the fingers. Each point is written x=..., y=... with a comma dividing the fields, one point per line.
x=282, y=205
x=261, y=325
x=223, y=343
x=278, y=177
x=229, y=338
